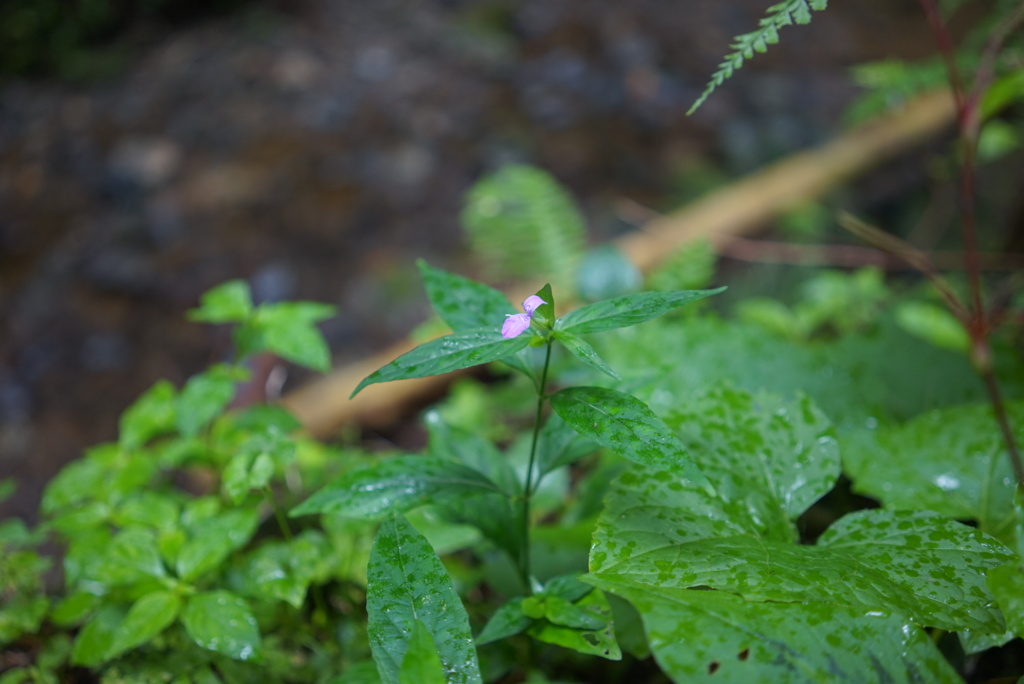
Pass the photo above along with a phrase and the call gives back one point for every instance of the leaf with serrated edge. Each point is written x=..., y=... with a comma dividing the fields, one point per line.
x=713, y=636
x=407, y=582
x=446, y=354
x=952, y=461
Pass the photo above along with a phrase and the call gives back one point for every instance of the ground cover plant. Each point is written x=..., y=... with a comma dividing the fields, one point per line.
x=642, y=487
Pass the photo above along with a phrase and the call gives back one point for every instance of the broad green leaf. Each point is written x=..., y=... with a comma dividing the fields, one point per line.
x=769, y=458
x=289, y=329
x=585, y=627
x=462, y=303
x=952, y=461
x=507, y=621
x=492, y=513
x=221, y=621
x=1006, y=583
x=422, y=664
x=94, y=640
x=149, y=508
x=545, y=313
x=628, y=310
x=408, y=583
x=584, y=352
x=230, y=302
x=471, y=449
x=398, y=483
x=131, y=556
x=284, y=570
x=205, y=395
x=714, y=636
x=152, y=414
x=147, y=617
x=446, y=354
x=213, y=539
x=627, y=426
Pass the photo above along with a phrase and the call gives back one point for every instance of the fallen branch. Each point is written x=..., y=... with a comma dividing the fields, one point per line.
x=737, y=209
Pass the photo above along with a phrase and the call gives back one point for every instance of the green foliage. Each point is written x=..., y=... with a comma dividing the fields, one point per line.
x=744, y=46
x=525, y=225
x=410, y=593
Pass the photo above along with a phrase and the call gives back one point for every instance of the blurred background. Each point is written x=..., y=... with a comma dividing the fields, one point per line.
x=150, y=150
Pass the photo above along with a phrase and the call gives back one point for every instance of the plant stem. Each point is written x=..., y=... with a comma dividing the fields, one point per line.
x=524, y=552
x=977, y=322
x=282, y=521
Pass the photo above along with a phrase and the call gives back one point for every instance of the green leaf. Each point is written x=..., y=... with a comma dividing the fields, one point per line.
x=560, y=445
x=1006, y=583
x=149, y=508
x=471, y=449
x=221, y=621
x=205, y=395
x=422, y=664
x=446, y=354
x=627, y=426
x=462, y=303
x=622, y=312
x=150, y=615
x=712, y=636
x=585, y=627
x=151, y=415
x=74, y=608
x=545, y=313
x=407, y=583
x=933, y=324
x=7, y=487
x=288, y=329
x=507, y=621
x=213, y=539
x=395, y=484
x=230, y=302
x=254, y=463
x=94, y=640
x=21, y=614
x=131, y=556
x=770, y=458
x=584, y=352
x=952, y=461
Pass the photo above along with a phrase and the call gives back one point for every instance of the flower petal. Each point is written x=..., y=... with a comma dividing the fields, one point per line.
x=531, y=303
x=514, y=325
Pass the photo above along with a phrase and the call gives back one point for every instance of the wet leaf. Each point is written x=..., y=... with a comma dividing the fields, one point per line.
x=584, y=352
x=396, y=483
x=221, y=621
x=462, y=303
x=627, y=426
x=952, y=461
x=407, y=583
x=446, y=354
x=422, y=664
x=584, y=627
x=213, y=539
x=713, y=636
x=205, y=395
x=627, y=310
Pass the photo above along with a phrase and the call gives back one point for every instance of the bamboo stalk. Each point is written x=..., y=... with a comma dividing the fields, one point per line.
x=738, y=209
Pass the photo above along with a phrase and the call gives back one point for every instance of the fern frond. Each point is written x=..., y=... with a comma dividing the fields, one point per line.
x=524, y=224
x=745, y=46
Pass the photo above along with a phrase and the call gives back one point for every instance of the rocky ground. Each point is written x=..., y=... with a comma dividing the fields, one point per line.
x=317, y=150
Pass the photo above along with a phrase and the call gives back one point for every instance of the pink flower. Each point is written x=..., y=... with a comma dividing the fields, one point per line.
x=516, y=324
